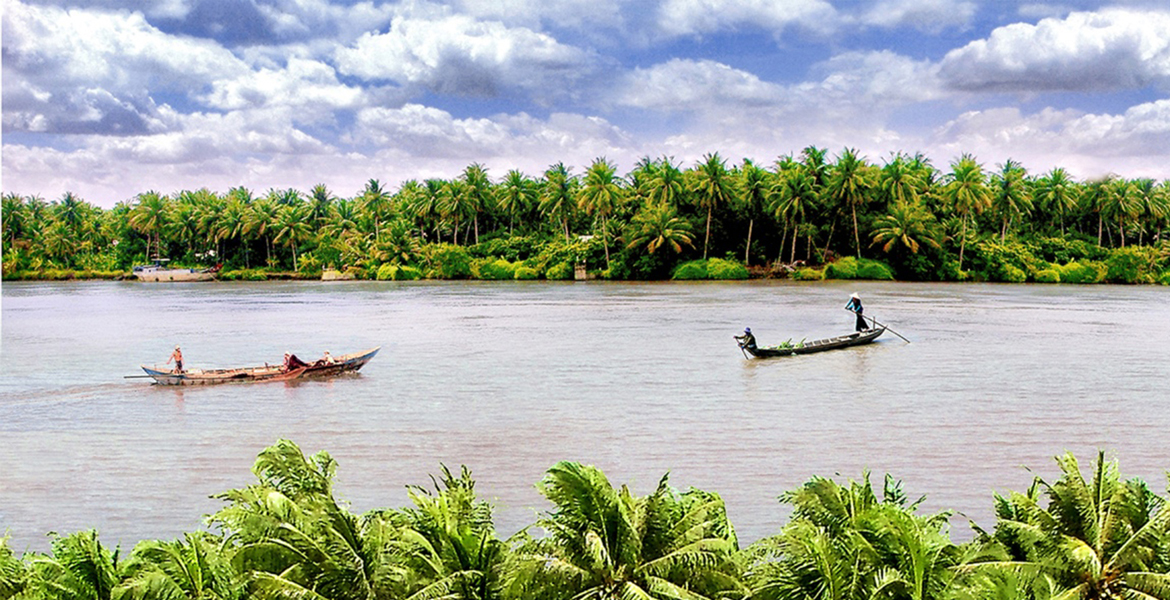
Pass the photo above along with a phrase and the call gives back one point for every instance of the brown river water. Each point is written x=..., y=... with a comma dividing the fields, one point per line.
x=508, y=378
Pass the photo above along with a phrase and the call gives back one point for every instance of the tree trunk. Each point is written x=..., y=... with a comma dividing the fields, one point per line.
x=962, y=241
x=783, y=241
x=856, y=236
x=1100, y=225
x=477, y=228
x=748, y=251
x=605, y=241
x=708, y=237
x=832, y=229
x=795, y=236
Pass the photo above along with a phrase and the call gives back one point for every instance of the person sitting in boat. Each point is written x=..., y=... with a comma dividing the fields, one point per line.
x=292, y=362
x=747, y=340
x=177, y=356
x=325, y=360
x=855, y=306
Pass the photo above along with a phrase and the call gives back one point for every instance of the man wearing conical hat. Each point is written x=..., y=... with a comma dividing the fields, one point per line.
x=855, y=306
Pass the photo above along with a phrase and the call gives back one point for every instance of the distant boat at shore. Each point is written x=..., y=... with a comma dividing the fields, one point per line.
x=159, y=272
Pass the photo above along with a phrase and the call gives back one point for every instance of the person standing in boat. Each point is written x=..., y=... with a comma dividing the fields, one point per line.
x=747, y=340
x=855, y=306
x=177, y=356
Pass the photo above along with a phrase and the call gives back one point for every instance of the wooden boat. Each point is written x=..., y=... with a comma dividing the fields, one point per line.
x=856, y=338
x=319, y=368
x=158, y=272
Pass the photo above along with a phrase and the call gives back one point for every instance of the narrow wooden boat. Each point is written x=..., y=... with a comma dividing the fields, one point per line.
x=319, y=368
x=856, y=338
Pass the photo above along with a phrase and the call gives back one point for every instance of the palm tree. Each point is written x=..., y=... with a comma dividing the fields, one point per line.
x=292, y=227
x=600, y=194
x=1057, y=192
x=80, y=568
x=478, y=192
x=1098, y=538
x=197, y=567
x=794, y=194
x=665, y=183
x=900, y=180
x=514, y=195
x=712, y=188
x=452, y=203
x=374, y=200
x=1121, y=202
x=149, y=217
x=657, y=225
x=604, y=542
x=849, y=183
x=907, y=225
x=320, y=199
x=1010, y=195
x=259, y=219
x=966, y=191
x=755, y=191
x=12, y=212
x=557, y=195
x=13, y=573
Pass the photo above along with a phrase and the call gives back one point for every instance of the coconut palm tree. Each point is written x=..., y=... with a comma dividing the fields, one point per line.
x=149, y=217
x=900, y=181
x=712, y=187
x=374, y=201
x=12, y=212
x=601, y=194
x=604, y=542
x=1098, y=538
x=907, y=225
x=79, y=568
x=196, y=567
x=849, y=183
x=1010, y=197
x=515, y=194
x=656, y=225
x=452, y=204
x=1057, y=193
x=755, y=191
x=966, y=192
x=260, y=219
x=558, y=196
x=320, y=199
x=478, y=193
x=665, y=182
x=292, y=227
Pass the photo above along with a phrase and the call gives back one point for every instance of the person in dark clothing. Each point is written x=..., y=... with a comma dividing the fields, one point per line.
x=747, y=340
x=855, y=306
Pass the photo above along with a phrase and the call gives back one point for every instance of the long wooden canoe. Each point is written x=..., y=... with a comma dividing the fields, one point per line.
x=319, y=368
x=856, y=338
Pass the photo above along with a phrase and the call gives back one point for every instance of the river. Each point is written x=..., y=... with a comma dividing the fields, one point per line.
x=508, y=378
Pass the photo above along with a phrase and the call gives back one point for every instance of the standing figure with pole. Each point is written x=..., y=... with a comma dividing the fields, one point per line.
x=855, y=307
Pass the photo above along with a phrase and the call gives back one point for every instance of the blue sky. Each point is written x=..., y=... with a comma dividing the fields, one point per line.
x=110, y=98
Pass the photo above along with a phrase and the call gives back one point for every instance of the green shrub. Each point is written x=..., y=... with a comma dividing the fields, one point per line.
x=561, y=270
x=448, y=261
x=691, y=270
x=244, y=275
x=1164, y=279
x=719, y=268
x=845, y=268
x=408, y=273
x=526, y=273
x=1088, y=271
x=1011, y=274
x=387, y=273
x=1134, y=264
x=492, y=269
x=808, y=274
x=872, y=269
x=1048, y=275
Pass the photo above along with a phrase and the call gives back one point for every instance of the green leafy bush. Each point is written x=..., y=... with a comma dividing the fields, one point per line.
x=996, y=261
x=854, y=268
x=1164, y=279
x=387, y=273
x=526, y=273
x=1011, y=274
x=808, y=274
x=408, y=273
x=691, y=270
x=1065, y=250
x=448, y=261
x=492, y=269
x=244, y=275
x=561, y=270
x=513, y=249
x=1050, y=274
x=718, y=268
x=1134, y=264
x=1088, y=271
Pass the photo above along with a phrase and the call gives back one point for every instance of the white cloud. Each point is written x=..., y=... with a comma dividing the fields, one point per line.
x=696, y=17
x=87, y=70
x=925, y=15
x=1107, y=50
x=1135, y=143
x=460, y=56
x=689, y=85
x=307, y=85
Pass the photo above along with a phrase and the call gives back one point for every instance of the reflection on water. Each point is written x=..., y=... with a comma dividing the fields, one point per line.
x=639, y=379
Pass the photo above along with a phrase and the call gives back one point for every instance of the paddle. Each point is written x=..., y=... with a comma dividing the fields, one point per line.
x=875, y=322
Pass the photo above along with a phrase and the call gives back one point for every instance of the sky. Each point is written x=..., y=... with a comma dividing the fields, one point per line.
x=111, y=98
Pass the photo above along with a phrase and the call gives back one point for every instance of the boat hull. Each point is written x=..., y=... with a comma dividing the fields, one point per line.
x=342, y=364
x=175, y=275
x=856, y=338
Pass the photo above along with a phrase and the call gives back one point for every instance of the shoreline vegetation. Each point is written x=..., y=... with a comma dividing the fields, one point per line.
x=286, y=535
x=807, y=216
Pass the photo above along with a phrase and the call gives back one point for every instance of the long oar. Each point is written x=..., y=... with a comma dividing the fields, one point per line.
x=875, y=322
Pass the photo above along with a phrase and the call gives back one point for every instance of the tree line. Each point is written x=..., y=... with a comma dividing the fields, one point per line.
x=286, y=535
x=965, y=221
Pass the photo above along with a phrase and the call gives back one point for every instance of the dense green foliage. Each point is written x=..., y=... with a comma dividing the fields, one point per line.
x=919, y=222
x=287, y=536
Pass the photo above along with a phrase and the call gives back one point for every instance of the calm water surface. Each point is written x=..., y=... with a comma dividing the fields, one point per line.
x=638, y=379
